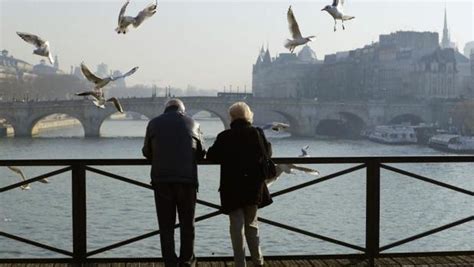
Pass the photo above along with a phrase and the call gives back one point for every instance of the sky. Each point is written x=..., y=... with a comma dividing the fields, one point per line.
x=210, y=44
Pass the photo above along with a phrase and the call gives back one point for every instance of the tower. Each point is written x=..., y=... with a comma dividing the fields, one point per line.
x=446, y=40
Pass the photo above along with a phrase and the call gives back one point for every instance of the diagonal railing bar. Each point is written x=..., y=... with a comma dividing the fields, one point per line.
x=36, y=244
x=34, y=179
x=123, y=243
x=318, y=180
x=144, y=236
x=118, y=177
x=208, y=204
x=426, y=179
x=304, y=232
x=427, y=233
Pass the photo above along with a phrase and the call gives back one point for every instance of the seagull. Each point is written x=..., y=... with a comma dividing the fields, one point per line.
x=42, y=46
x=304, y=152
x=23, y=178
x=125, y=21
x=288, y=168
x=276, y=126
x=98, y=93
x=337, y=12
x=295, y=33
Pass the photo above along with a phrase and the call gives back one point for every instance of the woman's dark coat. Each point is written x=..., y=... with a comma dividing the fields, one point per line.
x=239, y=152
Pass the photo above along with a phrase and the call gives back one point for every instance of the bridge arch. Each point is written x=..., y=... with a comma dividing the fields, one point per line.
x=6, y=123
x=342, y=124
x=223, y=117
x=113, y=124
x=410, y=118
x=64, y=121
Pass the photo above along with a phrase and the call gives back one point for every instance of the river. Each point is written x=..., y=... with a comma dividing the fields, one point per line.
x=336, y=208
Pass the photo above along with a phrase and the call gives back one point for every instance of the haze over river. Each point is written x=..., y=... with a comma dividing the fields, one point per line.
x=336, y=208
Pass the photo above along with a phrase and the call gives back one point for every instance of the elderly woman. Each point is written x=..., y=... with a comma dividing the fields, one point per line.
x=242, y=189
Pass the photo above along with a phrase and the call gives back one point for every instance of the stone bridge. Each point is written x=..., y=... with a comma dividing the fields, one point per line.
x=303, y=115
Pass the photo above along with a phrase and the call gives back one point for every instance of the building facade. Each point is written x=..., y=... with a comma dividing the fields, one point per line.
x=403, y=65
x=285, y=76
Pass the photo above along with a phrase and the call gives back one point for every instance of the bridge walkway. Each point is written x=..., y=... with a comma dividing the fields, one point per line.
x=426, y=261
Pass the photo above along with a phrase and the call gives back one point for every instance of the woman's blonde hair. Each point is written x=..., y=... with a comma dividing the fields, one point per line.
x=240, y=110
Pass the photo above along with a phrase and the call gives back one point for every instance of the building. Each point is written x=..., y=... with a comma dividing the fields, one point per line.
x=435, y=75
x=381, y=70
x=14, y=69
x=468, y=49
x=286, y=75
x=405, y=65
x=44, y=69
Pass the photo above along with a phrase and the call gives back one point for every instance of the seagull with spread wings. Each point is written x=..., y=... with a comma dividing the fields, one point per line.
x=304, y=152
x=125, y=21
x=288, y=168
x=336, y=10
x=98, y=93
x=23, y=178
x=298, y=39
x=42, y=46
x=276, y=126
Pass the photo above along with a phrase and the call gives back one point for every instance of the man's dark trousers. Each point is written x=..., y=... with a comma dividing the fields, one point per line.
x=169, y=198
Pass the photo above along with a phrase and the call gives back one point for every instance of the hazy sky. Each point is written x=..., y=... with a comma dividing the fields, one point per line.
x=210, y=44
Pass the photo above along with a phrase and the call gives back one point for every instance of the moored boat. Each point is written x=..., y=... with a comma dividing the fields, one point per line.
x=452, y=143
x=393, y=134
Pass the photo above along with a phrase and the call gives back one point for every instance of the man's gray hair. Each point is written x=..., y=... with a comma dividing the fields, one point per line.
x=177, y=103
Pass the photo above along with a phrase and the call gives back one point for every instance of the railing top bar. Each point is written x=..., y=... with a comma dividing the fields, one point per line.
x=313, y=160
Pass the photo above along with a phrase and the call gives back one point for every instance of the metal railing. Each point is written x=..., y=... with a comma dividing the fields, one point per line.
x=373, y=166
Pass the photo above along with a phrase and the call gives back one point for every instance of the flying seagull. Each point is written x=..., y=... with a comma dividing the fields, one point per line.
x=98, y=93
x=125, y=21
x=23, y=178
x=276, y=126
x=288, y=168
x=42, y=46
x=304, y=152
x=295, y=33
x=337, y=12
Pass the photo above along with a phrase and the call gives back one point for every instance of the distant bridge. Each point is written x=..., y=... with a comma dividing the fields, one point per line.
x=304, y=116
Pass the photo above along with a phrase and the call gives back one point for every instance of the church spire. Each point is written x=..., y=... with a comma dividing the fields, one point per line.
x=446, y=41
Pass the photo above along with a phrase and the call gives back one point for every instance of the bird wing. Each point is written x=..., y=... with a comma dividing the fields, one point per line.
x=336, y=3
x=116, y=104
x=130, y=72
x=50, y=56
x=91, y=93
x=279, y=171
x=89, y=75
x=32, y=39
x=304, y=169
x=304, y=151
x=148, y=11
x=122, y=11
x=18, y=171
x=293, y=25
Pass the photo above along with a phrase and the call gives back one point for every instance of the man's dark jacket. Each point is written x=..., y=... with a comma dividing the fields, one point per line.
x=240, y=154
x=173, y=143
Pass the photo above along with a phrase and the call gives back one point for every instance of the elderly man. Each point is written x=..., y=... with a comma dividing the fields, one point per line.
x=173, y=144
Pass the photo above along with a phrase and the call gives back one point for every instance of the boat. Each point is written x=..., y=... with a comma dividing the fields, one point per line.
x=453, y=143
x=424, y=132
x=393, y=134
